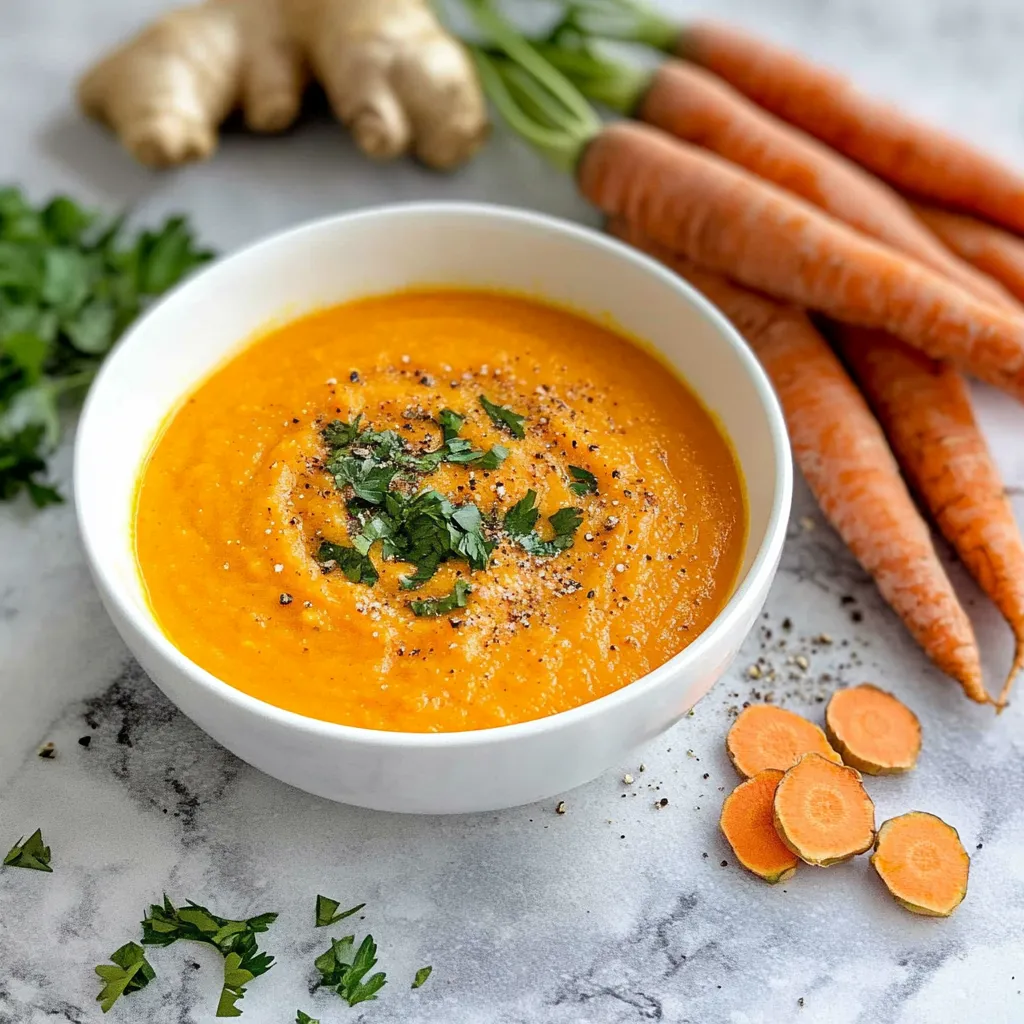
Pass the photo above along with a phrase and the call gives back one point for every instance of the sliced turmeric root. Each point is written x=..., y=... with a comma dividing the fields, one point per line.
x=922, y=863
x=873, y=731
x=748, y=826
x=765, y=736
x=822, y=812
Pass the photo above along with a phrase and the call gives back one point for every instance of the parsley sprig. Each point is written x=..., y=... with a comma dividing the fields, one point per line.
x=130, y=971
x=30, y=853
x=236, y=940
x=584, y=482
x=70, y=283
x=503, y=417
x=434, y=606
x=343, y=968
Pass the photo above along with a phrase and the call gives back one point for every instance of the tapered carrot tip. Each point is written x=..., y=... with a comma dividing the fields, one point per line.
x=873, y=731
x=1015, y=670
x=748, y=826
x=822, y=811
x=765, y=736
x=922, y=863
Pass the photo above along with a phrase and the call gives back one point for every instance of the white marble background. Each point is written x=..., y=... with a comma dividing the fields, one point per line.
x=609, y=914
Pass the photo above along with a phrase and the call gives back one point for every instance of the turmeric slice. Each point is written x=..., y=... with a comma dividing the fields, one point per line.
x=873, y=731
x=822, y=812
x=748, y=826
x=922, y=863
x=765, y=736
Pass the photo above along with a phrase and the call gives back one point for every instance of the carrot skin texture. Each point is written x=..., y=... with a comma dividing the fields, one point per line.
x=725, y=219
x=843, y=454
x=907, y=153
x=925, y=409
x=694, y=105
x=993, y=251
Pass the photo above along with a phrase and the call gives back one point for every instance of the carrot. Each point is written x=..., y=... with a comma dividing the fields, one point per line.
x=906, y=152
x=993, y=251
x=873, y=731
x=922, y=863
x=822, y=812
x=728, y=220
x=846, y=461
x=925, y=410
x=766, y=736
x=748, y=826
x=694, y=105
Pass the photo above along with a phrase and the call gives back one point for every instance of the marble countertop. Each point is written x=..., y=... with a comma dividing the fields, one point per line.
x=615, y=911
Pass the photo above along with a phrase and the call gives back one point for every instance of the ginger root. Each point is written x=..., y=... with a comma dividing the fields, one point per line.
x=390, y=71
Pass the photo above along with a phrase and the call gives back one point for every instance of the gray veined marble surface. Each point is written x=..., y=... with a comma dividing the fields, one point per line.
x=614, y=912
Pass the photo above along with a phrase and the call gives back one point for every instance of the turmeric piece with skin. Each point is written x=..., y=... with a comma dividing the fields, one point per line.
x=822, y=811
x=872, y=730
x=766, y=736
x=922, y=862
x=749, y=828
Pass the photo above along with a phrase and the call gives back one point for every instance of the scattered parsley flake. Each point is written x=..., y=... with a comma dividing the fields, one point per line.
x=584, y=481
x=435, y=606
x=504, y=418
x=356, y=565
x=421, y=976
x=304, y=1018
x=451, y=423
x=344, y=971
x=522, y=517
x=29, y=853
x=129, y=972
x=327, y=911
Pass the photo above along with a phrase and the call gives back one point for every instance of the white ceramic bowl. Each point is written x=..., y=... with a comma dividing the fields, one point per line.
x=195, y=328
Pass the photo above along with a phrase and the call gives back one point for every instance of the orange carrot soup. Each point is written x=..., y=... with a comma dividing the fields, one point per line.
x=436, y=511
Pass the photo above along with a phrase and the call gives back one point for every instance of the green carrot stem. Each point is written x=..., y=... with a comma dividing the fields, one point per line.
x=615, y=85
x=630, y=21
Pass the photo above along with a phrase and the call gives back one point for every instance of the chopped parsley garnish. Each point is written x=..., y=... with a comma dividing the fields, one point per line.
x=236, y=940
x=434, y=606
x=29, y=853
x=505, y=418
x=522, y=517
x=304, y=1018
x=356, y=565
x=493, y=457
x=421, y=976
x=327, y=911
x=70, y=283
x=584, y=482
x=343, y=968
x=130, y=971
x=423, y=529
x=451, y=423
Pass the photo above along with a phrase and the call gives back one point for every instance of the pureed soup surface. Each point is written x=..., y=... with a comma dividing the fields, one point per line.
x=298, y=492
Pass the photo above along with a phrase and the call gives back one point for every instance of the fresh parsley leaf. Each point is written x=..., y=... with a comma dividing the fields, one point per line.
x=493, y=457
x=129, y=972
x=421, y=976
x=521, y=518
x=451, y=423
x=29, y=853
x=584, y=481
x=69, y=286
x=304, y=1018
x=354, y=564
x=344, y=971
x=236, y=977
x=503, y=417
x=434, y=606
x=327, y=911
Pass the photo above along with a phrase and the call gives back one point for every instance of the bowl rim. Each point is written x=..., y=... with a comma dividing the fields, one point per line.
x=145, y=626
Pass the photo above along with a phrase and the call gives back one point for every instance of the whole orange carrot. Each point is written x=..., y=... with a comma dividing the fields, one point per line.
x=993, y=251
x=725, y=219
x=904, y=151
x=696, y=106
x=926, y=413
x=844, y=457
